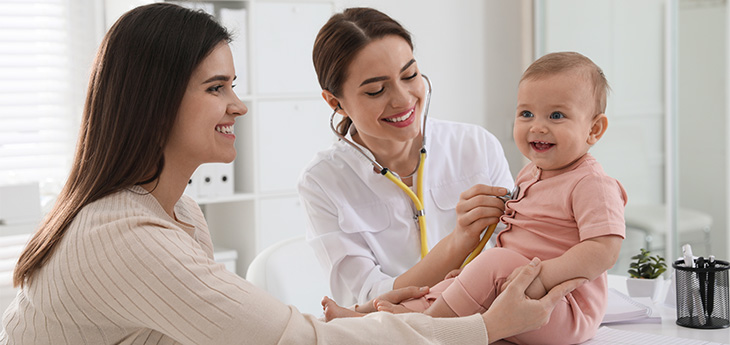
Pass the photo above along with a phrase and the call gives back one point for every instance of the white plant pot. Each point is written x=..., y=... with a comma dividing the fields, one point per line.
x=645, y=287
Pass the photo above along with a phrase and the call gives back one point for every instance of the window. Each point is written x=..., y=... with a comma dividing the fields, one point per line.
x=46, y=48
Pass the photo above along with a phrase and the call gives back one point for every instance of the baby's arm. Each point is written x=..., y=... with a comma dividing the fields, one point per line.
x=587, y=259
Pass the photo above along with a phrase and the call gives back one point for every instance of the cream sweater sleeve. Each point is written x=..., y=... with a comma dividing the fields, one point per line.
x=131, y=277
x=185, y=295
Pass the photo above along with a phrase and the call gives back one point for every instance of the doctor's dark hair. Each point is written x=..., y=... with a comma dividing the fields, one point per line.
x=136, y=86
x=560, y=62
x=340, y=39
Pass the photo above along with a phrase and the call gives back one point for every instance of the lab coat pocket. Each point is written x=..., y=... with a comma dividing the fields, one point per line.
x=446, y=196
x=365, y=218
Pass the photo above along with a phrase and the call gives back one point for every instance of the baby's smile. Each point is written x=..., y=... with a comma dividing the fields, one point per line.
x=541, y=146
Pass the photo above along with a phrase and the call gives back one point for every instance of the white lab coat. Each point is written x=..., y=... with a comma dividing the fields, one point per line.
x=362, y=226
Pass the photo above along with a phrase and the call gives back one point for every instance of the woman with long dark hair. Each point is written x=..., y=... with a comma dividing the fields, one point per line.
x=125, y=258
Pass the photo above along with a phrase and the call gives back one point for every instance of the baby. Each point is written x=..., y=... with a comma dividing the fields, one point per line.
x=568, y=212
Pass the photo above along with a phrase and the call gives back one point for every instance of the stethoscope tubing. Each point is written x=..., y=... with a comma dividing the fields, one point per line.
x=417, y=197
x=490, y=230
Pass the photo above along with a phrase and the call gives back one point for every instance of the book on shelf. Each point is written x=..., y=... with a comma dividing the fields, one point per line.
x=622, y=308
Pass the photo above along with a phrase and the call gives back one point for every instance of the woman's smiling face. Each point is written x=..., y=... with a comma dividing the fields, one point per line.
x=383, y=93
x=203, y=130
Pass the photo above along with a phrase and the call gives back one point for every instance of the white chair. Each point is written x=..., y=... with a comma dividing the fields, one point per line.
x=289, y=271
x=651, y=220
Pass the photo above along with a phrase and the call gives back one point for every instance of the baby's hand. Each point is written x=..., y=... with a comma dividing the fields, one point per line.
x=453, y=273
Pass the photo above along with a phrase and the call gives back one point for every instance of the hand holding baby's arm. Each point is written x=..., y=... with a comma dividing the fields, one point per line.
x=535, y=290
x=513, y=313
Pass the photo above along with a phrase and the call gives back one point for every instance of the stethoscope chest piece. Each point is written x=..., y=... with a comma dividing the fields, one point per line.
x=511, y=195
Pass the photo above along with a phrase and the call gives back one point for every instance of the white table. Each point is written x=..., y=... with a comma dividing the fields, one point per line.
x=668, y=325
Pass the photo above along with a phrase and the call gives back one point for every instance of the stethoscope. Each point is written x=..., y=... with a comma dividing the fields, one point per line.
x=416, y=197
x=511, y=195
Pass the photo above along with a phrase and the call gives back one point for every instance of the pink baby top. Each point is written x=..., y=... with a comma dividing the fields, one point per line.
x=556, y=210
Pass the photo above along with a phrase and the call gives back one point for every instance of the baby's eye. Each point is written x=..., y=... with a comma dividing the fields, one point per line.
x=376, y=92
x=526, y=113
x=557, y=115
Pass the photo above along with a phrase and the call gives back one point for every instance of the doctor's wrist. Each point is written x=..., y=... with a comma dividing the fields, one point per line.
x=464, y=242
x=461, y=245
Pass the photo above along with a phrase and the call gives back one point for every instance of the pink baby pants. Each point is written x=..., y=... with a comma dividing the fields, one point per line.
x=474, y=290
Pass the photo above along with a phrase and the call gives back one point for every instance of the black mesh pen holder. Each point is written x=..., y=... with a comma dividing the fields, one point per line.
x=702, y=294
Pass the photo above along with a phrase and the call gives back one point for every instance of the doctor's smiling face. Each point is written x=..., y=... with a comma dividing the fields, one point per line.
x=557, y=120
x=203, y=129
x=383, y=93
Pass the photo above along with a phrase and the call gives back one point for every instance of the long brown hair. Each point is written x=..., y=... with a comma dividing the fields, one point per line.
x=137, y=83
x=339, y=41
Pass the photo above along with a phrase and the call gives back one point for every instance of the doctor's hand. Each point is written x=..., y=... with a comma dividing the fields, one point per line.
x=478, y=208
x=512, y=312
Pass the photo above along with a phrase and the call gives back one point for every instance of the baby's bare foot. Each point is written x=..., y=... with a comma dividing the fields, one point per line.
x=333, y=311
x=391, y=308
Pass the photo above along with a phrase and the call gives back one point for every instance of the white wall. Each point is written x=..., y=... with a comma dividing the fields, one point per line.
x=701, y=116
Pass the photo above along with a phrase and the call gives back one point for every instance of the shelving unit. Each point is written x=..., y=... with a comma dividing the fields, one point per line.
x=286, y=124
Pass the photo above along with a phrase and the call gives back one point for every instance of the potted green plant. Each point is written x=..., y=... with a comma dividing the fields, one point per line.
x=645, y=275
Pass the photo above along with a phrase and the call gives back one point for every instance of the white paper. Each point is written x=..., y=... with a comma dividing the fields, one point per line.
x=622, y=308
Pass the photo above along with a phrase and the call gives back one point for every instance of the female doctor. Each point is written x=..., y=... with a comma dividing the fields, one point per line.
x=363, y=227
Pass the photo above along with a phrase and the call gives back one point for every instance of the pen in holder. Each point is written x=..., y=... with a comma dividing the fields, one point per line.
x=702, y=293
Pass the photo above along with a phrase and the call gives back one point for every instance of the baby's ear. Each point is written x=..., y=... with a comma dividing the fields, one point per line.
x=598, y=128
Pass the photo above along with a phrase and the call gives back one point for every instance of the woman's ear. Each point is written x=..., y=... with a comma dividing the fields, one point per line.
x=333, y=102
x=598, y=128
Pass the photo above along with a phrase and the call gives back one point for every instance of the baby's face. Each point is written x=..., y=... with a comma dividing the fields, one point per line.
x=554, y=119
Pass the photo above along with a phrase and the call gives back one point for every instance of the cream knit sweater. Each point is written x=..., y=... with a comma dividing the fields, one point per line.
x=127, y=273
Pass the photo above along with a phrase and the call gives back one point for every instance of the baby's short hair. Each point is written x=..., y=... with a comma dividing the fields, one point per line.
x=559, y=62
